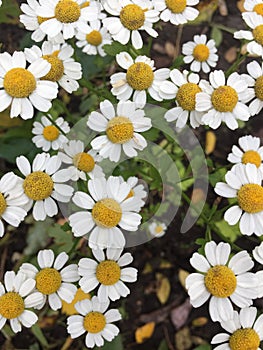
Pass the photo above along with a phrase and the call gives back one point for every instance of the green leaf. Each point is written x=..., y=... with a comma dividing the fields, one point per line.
x=217, y=35
x=203, y=347
x=37, y=236
x=36, y=330
x=114, y=48
x=116, y=344
x=63, y=239
x=163, y=345
x=9, y=12
x=178, y=62
x=217, y=176
x=230, y=232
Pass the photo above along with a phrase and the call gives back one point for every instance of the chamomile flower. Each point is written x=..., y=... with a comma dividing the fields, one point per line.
x=92, y=37
x=250, y=151
x=43, y=183
x=95, y=320
x=245, y=331
x=177, y=11
x=16, y=296
x=22, y=88
x=222, y=279
x=65, y=16
x=64, y=69
x=121, y=127
x=254, y=6
x=131, y=16
x=108, y=273
x=69, y=308
x=184, y=88
x=107, y=208
x=139, y=79
x=137, y=192
x=80, y=163
x=201, y=53
x=49, y=135
x=157, y=229
x=53, y=280
x=223, y=100
x=243, y=182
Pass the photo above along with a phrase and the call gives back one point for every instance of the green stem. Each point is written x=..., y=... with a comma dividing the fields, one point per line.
x=54, y=123
x=235, y=65
x=224, y=28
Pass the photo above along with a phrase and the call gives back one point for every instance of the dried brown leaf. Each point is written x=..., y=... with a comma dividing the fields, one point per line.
x=180, y=314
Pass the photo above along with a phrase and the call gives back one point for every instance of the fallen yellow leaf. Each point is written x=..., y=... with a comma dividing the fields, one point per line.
x=145, y=332
x=163, y=288
x=182, y=275
x=210, y=142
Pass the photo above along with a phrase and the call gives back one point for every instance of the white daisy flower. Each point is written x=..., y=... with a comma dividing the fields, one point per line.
x=177, y=11
x=108, y=273
x=22, y=87
x=222, y=279
x=32, y=21
x=223, y=100
x=49, y=135
x=44, y=183
x=139, y=78
x=244, y=184
x=106, y=208
x=157, y=229
x=53, y=280
x=16, y=296
x=184, y=88
x=64, y=69
x=65, y=16
x=121, y=127
x=131, y=16
x=254, y=6
x=80, y=163
x=94, y=320
x=246, y=331
x=92, y=38
x=255, y=35
x=137, y=192
x=250, y=151
x=201, y=53
x=12, y=200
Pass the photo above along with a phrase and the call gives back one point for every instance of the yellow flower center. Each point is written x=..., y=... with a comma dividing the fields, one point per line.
x=250, y=198
x=3, y=204
x=186, y=96
x=43, y=19
x=258, y=34
x=140, y=76
x=57, y=68
x=220, y=281
x=69, y=308
x=251, y=157
x=120, y=130
x=94, y=322
x=94, y=38
x=132, y=17
x=108, y=272
x=38, y=185
x=107, y=213
x=259, y=88
x=85, y=4
x=258, y=8
x=224, y=99
x=84, y=162
x=176, y=6
x=201, y=52
x=67, y=11
x=11, y=305
x=50, y=133
x=19, y=82
x=48, y=280
x=244, y=339
x=158, y=229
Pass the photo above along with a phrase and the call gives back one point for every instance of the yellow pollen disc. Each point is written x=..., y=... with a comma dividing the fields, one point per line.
x=67, y=11
x=139, y=76
x=43, y=19
x=85, y=4
x=11, y=305
x=19, y=82
x=50, y=133
x=94, y=322
x=259, y=88
x=220, y=281
x=250, y=198
x=2, y=204
x=224, y=98
x=258, y=8
x=176, y=6
x=186, y=96
x=130, y=194
x=158, y=229
x=244, y=339
x=48, y=280
x=69, y=308
x=57, y=68
x=132, y=17
x=84, y=162
x=107, y=213
x=38, y=185
x=258, y=34
x=201, y=52
x=94, y=38
x=119, y=130
x=108, y=272
x=251, y=157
